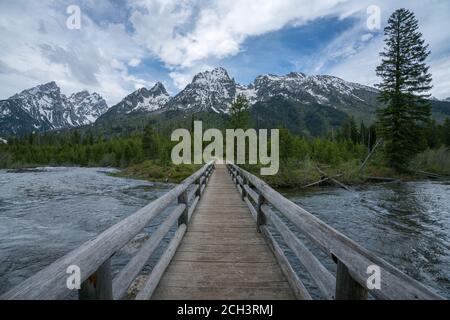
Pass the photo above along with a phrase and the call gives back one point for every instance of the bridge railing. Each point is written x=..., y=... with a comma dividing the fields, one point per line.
x=354, y=263
x=93, y=258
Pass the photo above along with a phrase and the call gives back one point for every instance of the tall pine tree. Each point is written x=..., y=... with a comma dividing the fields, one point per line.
x=239, y=114
x=405, y=83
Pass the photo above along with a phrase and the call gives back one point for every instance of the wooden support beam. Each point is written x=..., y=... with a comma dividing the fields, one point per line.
x=99, y=285
x=346, y=287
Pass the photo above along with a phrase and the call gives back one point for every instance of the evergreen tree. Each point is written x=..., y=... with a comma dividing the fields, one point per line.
x=150, y=143
x=239, y=113
x=446, y=132
x=404, y=87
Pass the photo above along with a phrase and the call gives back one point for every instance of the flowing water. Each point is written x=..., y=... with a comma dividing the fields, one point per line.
x=47, y=212
x=407, y=224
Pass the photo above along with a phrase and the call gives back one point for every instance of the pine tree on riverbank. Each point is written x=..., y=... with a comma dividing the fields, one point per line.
x=239, y=113
x=405, y=83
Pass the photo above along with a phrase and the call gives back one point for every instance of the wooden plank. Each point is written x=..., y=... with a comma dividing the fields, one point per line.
x=321, y=276
x=157, y=272
x=227, y=268
x=127, y=275
x=186, y=293
x=296, y=284
x=222, y=255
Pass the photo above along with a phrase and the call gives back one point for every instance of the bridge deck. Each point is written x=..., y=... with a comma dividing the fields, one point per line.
x=222, y=256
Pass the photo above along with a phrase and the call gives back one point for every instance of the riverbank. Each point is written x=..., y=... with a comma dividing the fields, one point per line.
x=430, y=164
x=157, y=172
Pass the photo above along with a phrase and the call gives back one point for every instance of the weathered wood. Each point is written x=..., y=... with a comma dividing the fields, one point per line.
x=340, y=184
x=157, y=272
x=394, y=283
x=220, y=247
x=184, y=217
x=320, y=181
x=321, y=276
x=192, y=207
x=346, y=287
x=252, y=209
x=127, y=275
x=379, y=143
x=296, y=284
x=194, y=193
x=260, y=218
x=50, y=283
x=99, y=285
x=253, y=195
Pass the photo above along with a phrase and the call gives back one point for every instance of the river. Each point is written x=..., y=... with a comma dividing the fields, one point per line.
x=407, y=224
x=46, y=212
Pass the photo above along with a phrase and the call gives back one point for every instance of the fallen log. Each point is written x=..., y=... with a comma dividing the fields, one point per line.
x=383, y=179
x=324, y=175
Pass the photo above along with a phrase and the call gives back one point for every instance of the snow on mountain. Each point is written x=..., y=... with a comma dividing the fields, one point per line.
x=44, y=107
x=215, y=90
x=86, y=107
x=210, y=90
x=140, y=101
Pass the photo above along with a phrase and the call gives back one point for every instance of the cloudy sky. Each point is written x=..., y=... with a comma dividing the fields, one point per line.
x=123, y=45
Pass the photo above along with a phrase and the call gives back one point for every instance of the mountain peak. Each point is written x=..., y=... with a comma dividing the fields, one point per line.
x=47, y=88
x=44, y=108
x=216, y=74
x=158, y=89
x=209, y=90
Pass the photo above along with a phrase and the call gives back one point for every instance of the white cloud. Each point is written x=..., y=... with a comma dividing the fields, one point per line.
x=188, y=36
x=40, y=49
x=134, y=62
x=360, y=64
x=181, y=33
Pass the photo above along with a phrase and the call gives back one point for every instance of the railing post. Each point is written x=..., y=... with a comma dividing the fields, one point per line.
x=346, y=287
x=99, y=285
x=198, y=193
x=184, y=218
x=244, y=182
x=260, y=218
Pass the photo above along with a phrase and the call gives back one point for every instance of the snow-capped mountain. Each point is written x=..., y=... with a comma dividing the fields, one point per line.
x=298, y=86
x=209, y=90
x=45, y=108
x=87, y=107
x=215, y=91
x=140, y=101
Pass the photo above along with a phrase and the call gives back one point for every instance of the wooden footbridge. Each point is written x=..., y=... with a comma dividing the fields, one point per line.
x=232, y=239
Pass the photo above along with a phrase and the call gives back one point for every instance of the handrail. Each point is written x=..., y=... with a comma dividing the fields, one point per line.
x=352, y=260
x=94, y=256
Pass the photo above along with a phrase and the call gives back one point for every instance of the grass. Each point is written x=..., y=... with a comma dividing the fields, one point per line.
x=294, y=174
x=155, y=171
x=435, y=161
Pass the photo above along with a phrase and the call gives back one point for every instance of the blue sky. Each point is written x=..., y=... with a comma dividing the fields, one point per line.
x=127, y=44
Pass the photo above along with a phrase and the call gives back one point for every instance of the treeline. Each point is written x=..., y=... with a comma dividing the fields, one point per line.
x=74, y=149
x=350, y=142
